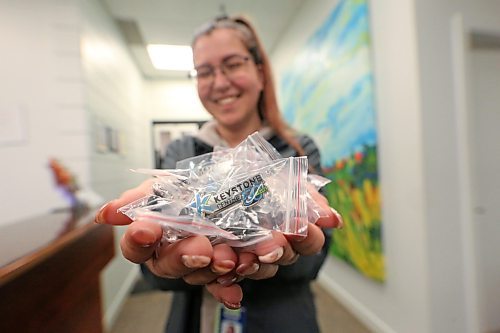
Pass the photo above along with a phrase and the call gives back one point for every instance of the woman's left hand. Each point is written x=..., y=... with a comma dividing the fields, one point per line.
x=264, y=261
x=285, y=249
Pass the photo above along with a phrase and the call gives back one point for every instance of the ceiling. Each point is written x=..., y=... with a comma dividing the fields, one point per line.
x=145, y=22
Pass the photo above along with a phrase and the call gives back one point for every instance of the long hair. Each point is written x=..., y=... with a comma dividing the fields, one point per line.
x=267, y=103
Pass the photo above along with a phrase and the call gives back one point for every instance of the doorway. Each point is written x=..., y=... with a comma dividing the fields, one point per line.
x=484, y=128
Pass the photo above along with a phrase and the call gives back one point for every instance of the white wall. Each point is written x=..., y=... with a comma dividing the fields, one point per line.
x=61, y=94
x=113, y=96
x=453, y=304
x=42, y=85
x=173, y=100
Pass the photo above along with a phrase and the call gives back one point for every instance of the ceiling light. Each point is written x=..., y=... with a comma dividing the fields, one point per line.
x=171, y=57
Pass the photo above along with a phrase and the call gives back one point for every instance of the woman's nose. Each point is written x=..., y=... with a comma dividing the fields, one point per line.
x=220, y=79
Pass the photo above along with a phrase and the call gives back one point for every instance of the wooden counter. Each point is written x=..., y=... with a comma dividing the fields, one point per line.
x=50, y=273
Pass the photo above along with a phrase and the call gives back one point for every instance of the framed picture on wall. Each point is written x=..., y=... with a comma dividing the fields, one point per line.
x=166, y=131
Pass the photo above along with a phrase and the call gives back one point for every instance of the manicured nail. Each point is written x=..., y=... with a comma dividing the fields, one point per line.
x=99, y=218
x=195, y=261
x=223, y=267
x=226, y=281
x=340, y=225
x=246, y=269
x=272, y=256
x=232, y=306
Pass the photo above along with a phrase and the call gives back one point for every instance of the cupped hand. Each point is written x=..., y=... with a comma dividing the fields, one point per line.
x=194, y=259
x=264, y=259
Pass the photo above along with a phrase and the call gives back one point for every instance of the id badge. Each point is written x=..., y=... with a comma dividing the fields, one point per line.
x=230, y=321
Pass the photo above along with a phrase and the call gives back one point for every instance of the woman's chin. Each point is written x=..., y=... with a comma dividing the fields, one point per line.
x=230, y=120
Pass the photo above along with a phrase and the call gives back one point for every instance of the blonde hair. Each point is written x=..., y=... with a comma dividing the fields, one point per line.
x=267, y=104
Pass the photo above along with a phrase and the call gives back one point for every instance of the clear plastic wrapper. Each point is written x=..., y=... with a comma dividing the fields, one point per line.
x=234, y=205
x=314, y=211
x=233, y=195
x=256, y=148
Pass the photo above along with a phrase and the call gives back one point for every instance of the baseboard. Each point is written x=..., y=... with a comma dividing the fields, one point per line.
x=111, y=313
x=367, y=317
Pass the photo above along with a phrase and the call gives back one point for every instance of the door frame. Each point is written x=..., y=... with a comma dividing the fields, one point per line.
x=460, y=41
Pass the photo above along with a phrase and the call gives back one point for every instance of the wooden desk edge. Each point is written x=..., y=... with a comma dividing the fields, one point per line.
x=23, y=264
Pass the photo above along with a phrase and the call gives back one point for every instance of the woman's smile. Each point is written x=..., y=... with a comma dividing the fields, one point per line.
x=226, y=100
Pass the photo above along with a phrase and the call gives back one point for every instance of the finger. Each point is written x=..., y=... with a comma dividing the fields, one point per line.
x=311, y=244
x=274, y=250
x=223, y=262
x=224, y=259
x=269, y=250
x=109, y=214
x=182, y=257
x=318, y=197
x=289, y=255
x=265, y=271
x=329, y=218
x=205, y=276
x=200, y=277
x=248, y=264
x=140, y=240
x=230, y=296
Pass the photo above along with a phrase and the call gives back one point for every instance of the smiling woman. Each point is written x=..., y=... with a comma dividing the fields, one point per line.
x=233, y=99
x=236, y=87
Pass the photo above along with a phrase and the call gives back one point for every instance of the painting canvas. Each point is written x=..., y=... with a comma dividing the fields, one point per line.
x=328, y=92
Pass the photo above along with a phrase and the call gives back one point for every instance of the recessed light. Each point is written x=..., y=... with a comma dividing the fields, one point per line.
x=171, y=57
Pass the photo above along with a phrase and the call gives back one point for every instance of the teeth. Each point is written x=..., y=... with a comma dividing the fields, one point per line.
x=226, y=100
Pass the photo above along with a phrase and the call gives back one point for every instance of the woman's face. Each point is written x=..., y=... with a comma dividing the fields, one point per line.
x=229, y=82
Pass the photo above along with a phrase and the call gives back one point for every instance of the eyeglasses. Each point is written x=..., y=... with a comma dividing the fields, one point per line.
x=230, y=67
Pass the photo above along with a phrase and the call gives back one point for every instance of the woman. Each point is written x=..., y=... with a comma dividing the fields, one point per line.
x=235, y=86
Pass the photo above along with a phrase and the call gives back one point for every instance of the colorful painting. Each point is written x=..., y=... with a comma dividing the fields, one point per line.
x=328, y=92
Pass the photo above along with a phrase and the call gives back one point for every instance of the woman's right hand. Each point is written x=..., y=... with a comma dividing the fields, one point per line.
x=193, y=259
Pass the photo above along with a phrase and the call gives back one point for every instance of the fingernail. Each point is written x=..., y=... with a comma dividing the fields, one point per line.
x=99, y=218
x=340, y=225
x=195, y=261
x=232, y=306
x=223, y=267
x=246, y=269
x=226, y=281
x=272, y=256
